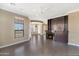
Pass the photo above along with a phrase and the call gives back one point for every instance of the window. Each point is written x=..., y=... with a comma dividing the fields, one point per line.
x=19, y=28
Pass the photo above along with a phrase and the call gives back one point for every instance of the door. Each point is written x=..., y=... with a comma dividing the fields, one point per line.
x=59, y=26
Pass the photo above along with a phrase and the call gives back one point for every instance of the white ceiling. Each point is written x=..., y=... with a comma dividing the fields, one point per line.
x=40, y=11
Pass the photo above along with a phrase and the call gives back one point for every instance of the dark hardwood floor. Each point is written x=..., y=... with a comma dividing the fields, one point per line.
x=39, y=46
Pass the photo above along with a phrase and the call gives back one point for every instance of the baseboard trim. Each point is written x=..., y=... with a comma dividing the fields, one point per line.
x=14, y=43
x=73, y=44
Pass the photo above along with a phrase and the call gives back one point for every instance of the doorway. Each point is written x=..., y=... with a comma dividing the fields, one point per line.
x=36, y=28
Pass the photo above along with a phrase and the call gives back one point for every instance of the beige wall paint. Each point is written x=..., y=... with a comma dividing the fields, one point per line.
x=73, y=25
x=45, y=28
x=7, y=28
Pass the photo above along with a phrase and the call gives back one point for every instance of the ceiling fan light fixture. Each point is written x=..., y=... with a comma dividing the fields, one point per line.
x=12, y=4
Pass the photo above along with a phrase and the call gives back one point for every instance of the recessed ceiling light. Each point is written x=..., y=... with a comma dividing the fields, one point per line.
x=46, y=8
x=34, y=10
